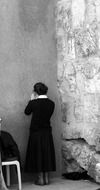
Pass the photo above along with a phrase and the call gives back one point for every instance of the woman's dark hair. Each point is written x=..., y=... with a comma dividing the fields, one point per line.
x=40, y=88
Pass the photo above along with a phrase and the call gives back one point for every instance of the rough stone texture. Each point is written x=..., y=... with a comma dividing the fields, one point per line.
x=79, y=156
x=78, y=45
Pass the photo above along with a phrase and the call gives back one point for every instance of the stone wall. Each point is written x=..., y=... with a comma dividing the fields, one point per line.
x=78, y=45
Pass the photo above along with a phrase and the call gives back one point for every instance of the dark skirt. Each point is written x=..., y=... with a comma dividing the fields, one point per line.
x=40, y=156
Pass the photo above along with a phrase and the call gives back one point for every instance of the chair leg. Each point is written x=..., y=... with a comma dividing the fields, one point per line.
x=8, y=175
x=19, y=175
x=2, y=181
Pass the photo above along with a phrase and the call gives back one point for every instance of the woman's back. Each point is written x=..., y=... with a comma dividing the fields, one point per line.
x=42, y=110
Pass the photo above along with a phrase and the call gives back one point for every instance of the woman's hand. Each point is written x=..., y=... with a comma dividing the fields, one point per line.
x=32, y=96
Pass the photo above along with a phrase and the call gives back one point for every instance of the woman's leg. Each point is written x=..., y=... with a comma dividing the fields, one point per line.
x=46, y=178
x=39, y=180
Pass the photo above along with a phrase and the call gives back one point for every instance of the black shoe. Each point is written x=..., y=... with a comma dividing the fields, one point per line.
x=39, y=181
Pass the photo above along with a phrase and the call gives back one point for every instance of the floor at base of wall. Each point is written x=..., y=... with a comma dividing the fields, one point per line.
x=60, y=184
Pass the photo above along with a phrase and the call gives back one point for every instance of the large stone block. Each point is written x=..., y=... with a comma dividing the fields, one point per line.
x=78, y=156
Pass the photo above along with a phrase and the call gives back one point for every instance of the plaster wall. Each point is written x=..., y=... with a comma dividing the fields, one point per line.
x=27, y=55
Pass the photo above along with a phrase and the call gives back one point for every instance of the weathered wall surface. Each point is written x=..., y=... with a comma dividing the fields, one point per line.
x=78, y=44
x=27, y=55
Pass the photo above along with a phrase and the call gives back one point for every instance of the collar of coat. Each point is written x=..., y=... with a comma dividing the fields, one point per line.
x=42, y=96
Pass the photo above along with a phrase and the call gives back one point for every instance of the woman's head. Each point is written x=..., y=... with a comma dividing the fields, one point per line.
x=40, y=88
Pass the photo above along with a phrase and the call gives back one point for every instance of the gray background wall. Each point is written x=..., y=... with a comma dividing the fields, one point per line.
x=27, y=55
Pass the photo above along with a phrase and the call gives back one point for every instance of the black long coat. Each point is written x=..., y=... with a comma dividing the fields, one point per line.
x=40, y=151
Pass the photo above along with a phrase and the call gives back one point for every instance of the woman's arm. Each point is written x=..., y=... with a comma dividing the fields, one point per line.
x=28, y=109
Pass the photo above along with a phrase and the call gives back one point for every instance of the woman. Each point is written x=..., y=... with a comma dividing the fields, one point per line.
x=40, y=157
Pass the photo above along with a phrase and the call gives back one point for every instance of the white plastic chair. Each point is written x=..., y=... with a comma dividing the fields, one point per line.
x=8, y=164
